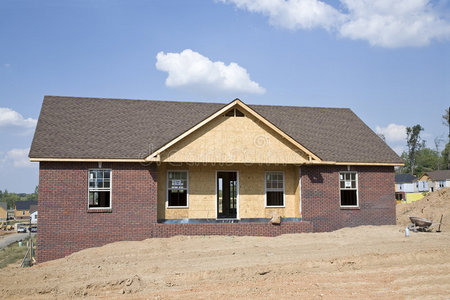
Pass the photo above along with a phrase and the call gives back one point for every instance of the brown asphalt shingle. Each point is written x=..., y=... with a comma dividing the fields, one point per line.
x=439, y=175
x=70, y=127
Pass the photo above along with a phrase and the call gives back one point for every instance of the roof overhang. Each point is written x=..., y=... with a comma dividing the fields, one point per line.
x=343, y=163
x=39, y=159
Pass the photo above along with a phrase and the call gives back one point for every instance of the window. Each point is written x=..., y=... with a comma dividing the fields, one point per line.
x=348, y=185
x=234, y=113
x=441, y=184
x=398, y=196
x=274, y=183
x=177, y=189
x=99, y=188
x=23, y=213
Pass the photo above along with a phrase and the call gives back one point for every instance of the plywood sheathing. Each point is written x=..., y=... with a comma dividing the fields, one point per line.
x=234, y=140
x=202, y=191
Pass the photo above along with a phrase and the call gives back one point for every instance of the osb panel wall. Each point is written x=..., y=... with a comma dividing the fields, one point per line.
x=234, y=140
x=18, y=214
x=3, y=213
x=202, y=191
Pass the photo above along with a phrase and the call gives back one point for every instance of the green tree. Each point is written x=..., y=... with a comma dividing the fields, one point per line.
x=426, y=161
x=414, y=143
x=444, y=159
x=33, y=196
x=446, y=119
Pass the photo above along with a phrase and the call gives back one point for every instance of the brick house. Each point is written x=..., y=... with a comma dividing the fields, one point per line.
x=112, y=170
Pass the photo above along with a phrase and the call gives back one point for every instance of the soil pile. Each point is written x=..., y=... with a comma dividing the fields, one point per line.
x=368, y=262
x=430, y=207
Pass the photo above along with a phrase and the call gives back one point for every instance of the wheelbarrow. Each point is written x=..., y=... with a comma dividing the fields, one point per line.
x=420, y=224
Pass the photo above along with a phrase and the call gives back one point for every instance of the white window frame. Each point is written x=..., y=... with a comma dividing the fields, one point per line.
x=167, y=189
x=89, y=189
x=351, y=189
x=274, y=190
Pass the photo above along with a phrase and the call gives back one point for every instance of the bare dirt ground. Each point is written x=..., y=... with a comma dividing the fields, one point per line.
x=4, y=233
x=430, y=207
x=369, y=262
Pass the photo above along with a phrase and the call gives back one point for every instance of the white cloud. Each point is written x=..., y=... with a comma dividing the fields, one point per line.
x=293, y=14
x=18, y=158
x=393, y=132
x=383, y=23
x=190, y=69
x=394, y=24
x=9, y=118
x=399, y=149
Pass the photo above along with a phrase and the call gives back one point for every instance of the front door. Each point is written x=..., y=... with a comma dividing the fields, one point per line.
x=227, y=185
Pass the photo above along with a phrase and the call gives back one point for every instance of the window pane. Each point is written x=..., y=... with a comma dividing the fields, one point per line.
x=177, y=180
x=99, y=199
x=177, y=198
x=274, y=198
x=348, y=198
x=99, y=183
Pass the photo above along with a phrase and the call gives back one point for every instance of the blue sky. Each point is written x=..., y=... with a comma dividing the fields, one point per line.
x=389, y=63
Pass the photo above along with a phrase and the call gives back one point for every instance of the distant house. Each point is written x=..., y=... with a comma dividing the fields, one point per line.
x=434, y=181
x=113, y=170
x=22, y=209
x=3, y=211
x=33, y=214
x=404, y=183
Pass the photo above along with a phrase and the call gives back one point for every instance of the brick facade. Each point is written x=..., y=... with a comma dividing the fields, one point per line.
x=321, y=197
x=67, y=226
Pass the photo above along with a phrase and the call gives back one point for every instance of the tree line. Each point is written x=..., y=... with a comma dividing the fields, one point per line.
x=12, y=198
x=419, y=158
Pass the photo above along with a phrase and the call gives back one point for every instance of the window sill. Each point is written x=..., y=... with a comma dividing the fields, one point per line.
x=177, y=207
x=275, y=206
x=99, y=210
x=350, y=207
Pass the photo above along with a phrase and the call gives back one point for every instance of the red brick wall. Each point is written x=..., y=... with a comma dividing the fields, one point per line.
x=237, y=229
x=65, y=225
x=321, y=197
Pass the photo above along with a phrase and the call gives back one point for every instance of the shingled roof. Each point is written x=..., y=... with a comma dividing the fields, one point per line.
x=404, y=178
x=439, y=175
x=25, y=205
x=100, y=128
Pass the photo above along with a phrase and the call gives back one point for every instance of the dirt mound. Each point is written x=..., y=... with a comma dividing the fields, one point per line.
x=430, y=207
x=367, y=262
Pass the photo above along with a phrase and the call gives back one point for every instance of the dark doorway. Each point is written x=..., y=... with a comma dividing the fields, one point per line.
x=227, y=195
